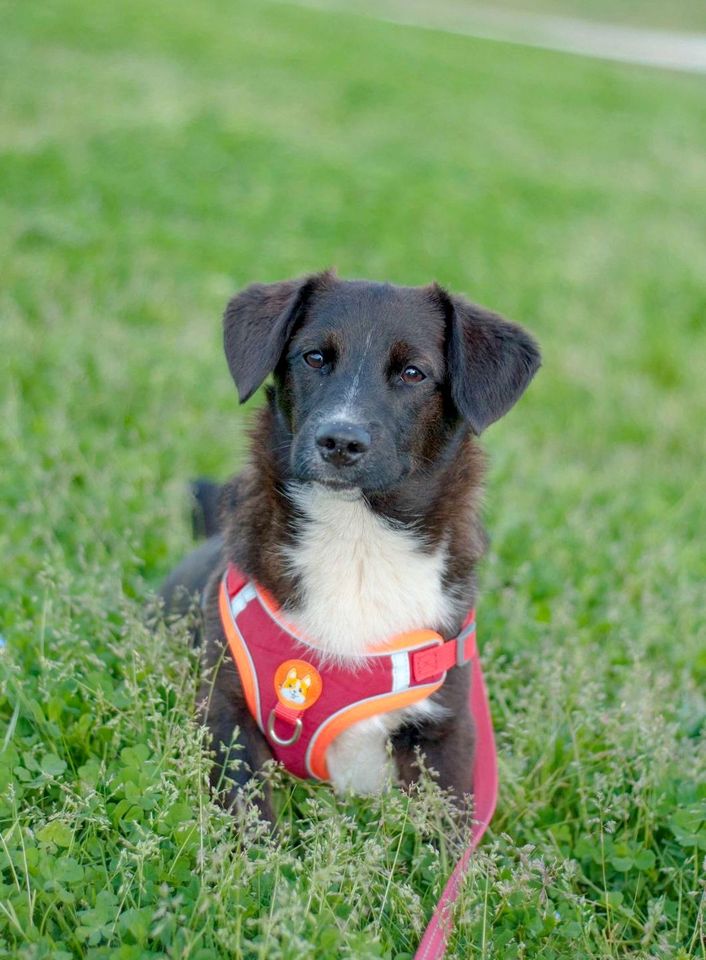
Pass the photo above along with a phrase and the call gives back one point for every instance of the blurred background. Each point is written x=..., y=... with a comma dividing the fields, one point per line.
x=156, y=156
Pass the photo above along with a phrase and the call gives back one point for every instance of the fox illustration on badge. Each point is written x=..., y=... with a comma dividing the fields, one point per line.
x=297, y=684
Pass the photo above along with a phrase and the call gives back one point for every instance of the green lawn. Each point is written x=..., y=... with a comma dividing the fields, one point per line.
x=156, y=156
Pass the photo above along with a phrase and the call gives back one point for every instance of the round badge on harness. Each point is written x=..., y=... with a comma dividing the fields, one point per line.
x=297, y=684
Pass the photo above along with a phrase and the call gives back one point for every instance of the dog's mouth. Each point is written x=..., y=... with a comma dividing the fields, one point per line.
x=339, y=488
x=353, y=486
x=374, y=473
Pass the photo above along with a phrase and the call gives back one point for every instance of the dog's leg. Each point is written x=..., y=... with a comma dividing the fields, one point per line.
x=447, y=745
x=447, y=752
x=241, y=750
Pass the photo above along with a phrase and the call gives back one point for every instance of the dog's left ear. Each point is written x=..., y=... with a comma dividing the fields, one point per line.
x=490, y=360
x=257, y=324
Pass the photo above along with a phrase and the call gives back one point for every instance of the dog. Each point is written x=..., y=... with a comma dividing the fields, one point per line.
x=358, y=513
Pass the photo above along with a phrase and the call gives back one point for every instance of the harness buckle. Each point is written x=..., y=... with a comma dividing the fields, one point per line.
x=298, y=725
x=461, y=656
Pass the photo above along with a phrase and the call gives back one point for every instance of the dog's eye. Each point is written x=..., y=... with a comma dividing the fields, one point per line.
x=315, y=359
x=412, y=375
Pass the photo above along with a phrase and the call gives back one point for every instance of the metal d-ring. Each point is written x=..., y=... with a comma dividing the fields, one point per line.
x=283, y=743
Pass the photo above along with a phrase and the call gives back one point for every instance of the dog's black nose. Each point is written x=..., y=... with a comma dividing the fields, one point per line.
x=341, y=444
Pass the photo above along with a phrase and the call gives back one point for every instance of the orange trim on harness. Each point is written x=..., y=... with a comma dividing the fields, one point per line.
x=345, y=718
x=240, y=654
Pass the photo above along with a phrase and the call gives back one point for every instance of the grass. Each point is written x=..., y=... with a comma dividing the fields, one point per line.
x=155, y=157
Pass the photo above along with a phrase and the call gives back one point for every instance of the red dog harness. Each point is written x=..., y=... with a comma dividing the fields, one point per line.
x=302, y=705
x=302, y=702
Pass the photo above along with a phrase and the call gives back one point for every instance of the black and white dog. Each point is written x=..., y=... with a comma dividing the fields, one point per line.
x=359, y=508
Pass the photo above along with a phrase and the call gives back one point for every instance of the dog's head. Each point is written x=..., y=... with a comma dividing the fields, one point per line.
x=372, y=381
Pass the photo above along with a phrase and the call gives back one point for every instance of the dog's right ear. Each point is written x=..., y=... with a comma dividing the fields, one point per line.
x=257, y=324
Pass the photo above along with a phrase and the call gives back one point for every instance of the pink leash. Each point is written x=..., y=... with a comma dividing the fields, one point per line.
x=485, y=794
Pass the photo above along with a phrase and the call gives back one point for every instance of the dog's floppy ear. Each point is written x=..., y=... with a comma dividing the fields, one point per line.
x=257, y=324
x=490, y=360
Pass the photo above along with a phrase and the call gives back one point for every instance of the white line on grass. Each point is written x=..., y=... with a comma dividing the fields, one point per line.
x=654, y=48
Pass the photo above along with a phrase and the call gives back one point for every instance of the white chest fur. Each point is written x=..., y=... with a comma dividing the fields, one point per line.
x=363, y=580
